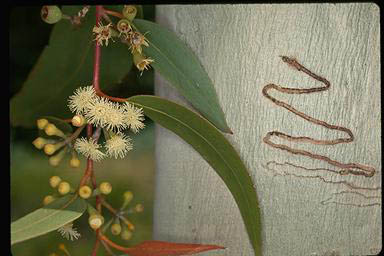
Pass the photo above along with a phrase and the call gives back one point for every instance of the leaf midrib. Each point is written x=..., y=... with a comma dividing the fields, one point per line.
x=47, y=216
x=237, y=179
x=176, y=68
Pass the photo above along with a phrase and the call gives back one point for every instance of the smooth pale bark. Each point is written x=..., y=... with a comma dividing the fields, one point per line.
x=239, y=46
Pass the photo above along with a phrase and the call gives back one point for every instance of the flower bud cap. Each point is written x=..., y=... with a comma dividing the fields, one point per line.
x=54, y=181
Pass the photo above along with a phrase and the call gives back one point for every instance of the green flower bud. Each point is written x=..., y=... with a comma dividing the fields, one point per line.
x=51, y=129
x=51, y=14
x=41, y=123
x=128, y=195
x=49, y=149
x=78, y=120
x=48, y=199
x=54, y=181
x=116, y=227
x=124, y=27
x=105, y=188
x=139, y=208
x=64, y=188
x=74, y=162
x=85, y=192
x=126, y=234
x=39, y=142
x=95, y=221
x=129, y=12
x=55, y=160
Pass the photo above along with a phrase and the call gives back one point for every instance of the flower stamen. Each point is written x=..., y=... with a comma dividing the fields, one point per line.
x=102, y=33
x=69, y=232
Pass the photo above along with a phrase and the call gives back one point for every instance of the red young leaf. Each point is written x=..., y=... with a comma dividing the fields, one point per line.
x=160, y=248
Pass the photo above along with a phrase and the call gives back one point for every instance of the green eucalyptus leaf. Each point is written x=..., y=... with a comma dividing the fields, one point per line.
x=178, y=64
x=65, y=64
x=140, y=13
x=51, y=217
x=215, y=149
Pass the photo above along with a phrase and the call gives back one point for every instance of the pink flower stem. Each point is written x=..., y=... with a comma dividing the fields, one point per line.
x=96, y=63
x=96, y=86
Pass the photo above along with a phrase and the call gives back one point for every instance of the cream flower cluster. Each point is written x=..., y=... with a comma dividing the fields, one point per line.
x=111, y=116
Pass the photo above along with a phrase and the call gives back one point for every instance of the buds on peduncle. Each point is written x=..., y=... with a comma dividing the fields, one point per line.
x=51, y=14
x=95, y=219
x=85, y=192
x=116, y=227
x=64, y=188
x=105, y=188
x=129, y=12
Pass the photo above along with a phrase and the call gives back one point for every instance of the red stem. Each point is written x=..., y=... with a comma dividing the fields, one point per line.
x=89, y=169
x=69, y=120
x=112, y=244
x=96, y=86
x=89, y=172
x=89, y=131
x=96, y=63
x=113, y=13
x=96, y=246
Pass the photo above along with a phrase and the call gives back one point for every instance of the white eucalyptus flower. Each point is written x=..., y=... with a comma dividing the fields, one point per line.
x=106, y=114
x=69, y=232
x=79, y=101
x=134, y=117
x=96, y=111
x=89, y=148
x=118, y=145
x=115, y=117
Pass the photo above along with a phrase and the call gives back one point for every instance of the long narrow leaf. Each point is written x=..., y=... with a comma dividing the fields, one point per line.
x=160, y=248
x=47, y=219
x=215, y=149
x=179, y=65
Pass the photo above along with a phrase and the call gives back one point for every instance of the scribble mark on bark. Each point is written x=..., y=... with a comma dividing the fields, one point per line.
x=346, y=168
x=365, y=203
x=366, y=200
x=342, y=182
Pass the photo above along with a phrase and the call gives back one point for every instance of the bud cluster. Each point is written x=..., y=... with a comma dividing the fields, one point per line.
x=121, y=225
x=52, y=14
x=128, y=34
x=57, y=144
x=62, y=189
x=103, y=33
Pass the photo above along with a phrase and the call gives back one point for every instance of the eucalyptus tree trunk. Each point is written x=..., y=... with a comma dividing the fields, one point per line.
x=306, y=208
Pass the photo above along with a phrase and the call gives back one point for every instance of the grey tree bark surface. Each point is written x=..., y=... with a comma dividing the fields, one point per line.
x=304, y=212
